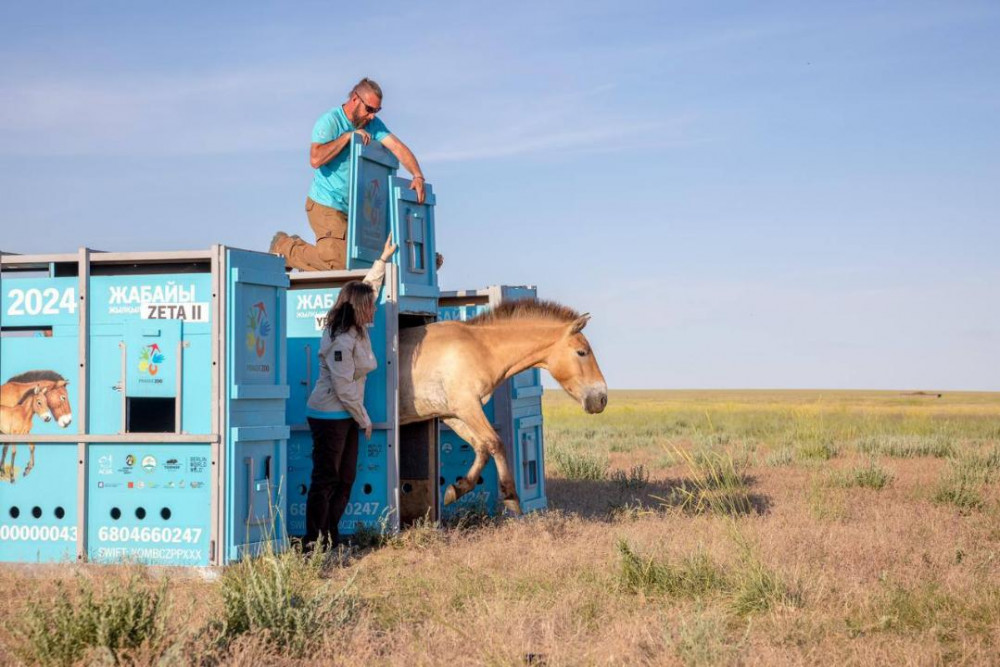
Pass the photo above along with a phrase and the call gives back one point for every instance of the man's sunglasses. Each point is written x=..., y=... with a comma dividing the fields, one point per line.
x=369, y=109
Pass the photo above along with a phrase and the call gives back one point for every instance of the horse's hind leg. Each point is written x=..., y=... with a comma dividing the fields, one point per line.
x=467, y=483
x=508, y=489
x=3, y=457
x=31, y=460
x=473, y=427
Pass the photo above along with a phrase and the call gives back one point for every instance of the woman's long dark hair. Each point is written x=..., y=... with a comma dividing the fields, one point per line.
x=354, y=296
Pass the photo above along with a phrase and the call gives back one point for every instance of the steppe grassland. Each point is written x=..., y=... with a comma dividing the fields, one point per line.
x=686, y=528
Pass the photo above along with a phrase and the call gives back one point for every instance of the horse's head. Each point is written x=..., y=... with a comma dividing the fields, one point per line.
x=39, y=403
x=58, y=401
x=572, y=363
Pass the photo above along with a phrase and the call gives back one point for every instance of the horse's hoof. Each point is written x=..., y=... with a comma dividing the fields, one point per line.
x=450, y=495
x=513, y=506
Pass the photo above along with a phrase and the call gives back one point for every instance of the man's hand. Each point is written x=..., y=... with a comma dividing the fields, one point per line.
x=368, y=431
x=365, y=137
x=418, y=184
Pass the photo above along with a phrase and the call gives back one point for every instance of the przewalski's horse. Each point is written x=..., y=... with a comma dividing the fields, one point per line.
x=450, y=370
x=57, y=396
x=17, y=420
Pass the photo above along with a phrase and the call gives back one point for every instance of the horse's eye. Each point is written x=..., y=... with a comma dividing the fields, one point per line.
x=581, y=353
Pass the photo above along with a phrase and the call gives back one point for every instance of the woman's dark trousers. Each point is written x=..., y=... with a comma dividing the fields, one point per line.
x=335, y=465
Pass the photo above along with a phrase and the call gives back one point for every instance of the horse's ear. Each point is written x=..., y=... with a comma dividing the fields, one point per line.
x=61, y=383
x=579, y=323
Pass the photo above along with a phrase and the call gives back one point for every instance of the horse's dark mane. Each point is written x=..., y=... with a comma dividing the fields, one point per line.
x=526, y=309
x=38, y=376
x=26, y=395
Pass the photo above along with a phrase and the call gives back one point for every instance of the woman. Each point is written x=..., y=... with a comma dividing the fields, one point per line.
x=336, y=407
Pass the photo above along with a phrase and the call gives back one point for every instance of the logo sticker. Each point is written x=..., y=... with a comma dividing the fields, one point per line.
x=148, y=463
x=258, y=329
x=150, y=358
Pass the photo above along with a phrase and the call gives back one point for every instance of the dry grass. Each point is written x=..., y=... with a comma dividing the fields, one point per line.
x=874, y=538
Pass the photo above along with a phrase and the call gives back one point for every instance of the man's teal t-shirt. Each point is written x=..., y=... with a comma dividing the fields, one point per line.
x=329, y=186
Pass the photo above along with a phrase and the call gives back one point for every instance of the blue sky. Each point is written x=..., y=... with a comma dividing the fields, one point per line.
x=743, y=194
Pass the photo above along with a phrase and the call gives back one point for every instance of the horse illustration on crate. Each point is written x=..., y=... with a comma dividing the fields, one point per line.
x=49, y=400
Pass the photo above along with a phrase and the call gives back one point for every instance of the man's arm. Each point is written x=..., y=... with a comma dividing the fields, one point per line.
x=320, y=154
x=409, y=161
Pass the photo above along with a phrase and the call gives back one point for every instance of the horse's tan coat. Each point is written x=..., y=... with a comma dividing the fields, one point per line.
x=449, y=370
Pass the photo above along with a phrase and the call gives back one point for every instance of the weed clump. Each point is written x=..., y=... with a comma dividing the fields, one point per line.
x=780, y=457
x=283, y=598
x=751, y=586
x=635, y=479
x=694, y=576
x=717, y=484
x=871, y=476
x=578, y=465
x=906, y=446
x=817, y=451
x=126, y=616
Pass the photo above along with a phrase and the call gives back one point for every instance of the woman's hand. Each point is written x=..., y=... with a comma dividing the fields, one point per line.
x=368, y=431
x=389, y=249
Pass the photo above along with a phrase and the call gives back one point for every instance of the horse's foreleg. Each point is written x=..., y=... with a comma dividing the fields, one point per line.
x=3, y=457
x=31, y=459
x=13, y=455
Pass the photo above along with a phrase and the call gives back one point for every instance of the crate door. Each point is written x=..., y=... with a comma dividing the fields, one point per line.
x=413, y=231
x=368, y=202
x=257, y=434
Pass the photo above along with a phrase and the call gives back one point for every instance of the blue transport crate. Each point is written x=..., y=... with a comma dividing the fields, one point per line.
x=164, y=438
x=395, y=477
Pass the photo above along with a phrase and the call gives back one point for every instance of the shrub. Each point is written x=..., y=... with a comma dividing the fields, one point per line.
x=128, y=615
x=577, y=465
x=282, y=597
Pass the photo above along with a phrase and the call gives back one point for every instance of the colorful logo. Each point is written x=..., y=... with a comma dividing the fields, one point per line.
x=130, y=460
x=373, y=204
x=150, y=358
x=258, y=329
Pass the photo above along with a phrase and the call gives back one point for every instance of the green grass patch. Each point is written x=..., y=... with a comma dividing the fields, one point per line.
x=906, y=447
x=816, y=451
x=579, y=465
x=871, y=476
x=780, y=457
x=716, y=484
x=693, y=576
